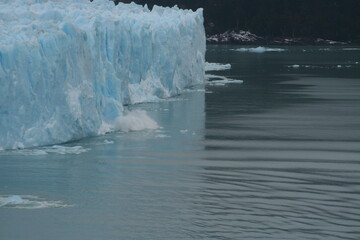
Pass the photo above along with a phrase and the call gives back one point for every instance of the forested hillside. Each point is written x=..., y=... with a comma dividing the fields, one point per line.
x=330, y=19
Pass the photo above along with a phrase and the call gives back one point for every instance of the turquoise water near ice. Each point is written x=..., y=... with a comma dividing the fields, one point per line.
x=277, y=157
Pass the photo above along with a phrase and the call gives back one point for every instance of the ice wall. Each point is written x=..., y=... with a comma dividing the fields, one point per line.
x=67, y=67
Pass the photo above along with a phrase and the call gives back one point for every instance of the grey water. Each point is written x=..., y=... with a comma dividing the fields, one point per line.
x=277, y=157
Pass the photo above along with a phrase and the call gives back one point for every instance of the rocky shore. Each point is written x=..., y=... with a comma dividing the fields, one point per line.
x=248, y=38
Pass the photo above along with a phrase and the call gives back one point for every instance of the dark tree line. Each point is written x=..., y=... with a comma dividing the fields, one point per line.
x=330, y=19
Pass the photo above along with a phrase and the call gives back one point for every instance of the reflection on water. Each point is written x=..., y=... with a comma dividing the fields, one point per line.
x=276, y=157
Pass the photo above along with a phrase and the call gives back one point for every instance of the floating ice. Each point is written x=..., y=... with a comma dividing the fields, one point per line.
x=259, y=50
x=68, y=67
x=56, y=149
x=351, y=49
x=320, y=66
x=216, y=66
x=216, y=80
x=336, y=49
x=108, y=142
x=28, y=202
x=162, y=136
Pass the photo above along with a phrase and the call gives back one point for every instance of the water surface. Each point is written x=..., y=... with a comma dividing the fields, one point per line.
x=277, y=157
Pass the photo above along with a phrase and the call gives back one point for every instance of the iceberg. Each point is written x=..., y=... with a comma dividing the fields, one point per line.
x=68, y=68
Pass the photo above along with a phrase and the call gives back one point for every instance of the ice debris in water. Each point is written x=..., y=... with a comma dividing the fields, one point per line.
x=68, y=67
x=108, y=142
x=216, y=66
x=28, y=202
x=215, y=80
x=56, y=149
x=259, y=50
x=135, y=121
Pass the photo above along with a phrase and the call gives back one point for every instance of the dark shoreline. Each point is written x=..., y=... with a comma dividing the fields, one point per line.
x=247, y=38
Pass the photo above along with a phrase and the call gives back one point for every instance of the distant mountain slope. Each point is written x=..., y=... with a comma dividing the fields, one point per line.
x=327, y=19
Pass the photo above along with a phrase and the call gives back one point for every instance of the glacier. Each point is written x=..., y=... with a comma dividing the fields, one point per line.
x=68, y=67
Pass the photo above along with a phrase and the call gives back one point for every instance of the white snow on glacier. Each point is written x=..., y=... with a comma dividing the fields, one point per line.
x=68, y=67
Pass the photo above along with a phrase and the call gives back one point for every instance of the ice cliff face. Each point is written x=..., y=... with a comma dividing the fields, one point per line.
x=68, y=67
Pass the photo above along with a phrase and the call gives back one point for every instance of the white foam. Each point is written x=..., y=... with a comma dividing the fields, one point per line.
x=136, y=120
x=28, y=202
x=259, y=50
x=216, y=66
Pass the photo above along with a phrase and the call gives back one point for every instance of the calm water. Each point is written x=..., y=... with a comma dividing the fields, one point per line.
x=277, y=157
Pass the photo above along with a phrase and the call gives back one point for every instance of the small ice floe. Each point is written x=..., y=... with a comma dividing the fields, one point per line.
x=216, y=66
x=295, y=66
x=184, y=131
x=28, y=202
x=161, y=135
x=189, y=90
x=259, y=50
x=215, y=80
x=108, y=141
x=339, y=66
x=327, y=41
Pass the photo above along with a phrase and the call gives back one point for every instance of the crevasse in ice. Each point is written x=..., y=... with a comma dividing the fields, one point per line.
x=68, y=67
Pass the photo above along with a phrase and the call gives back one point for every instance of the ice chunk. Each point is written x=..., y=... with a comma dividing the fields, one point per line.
x=68, y=67
x=216, y=80
x=260, y=50
x=216, y=66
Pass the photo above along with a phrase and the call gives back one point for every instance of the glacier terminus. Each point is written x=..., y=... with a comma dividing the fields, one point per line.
x=67, y=68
